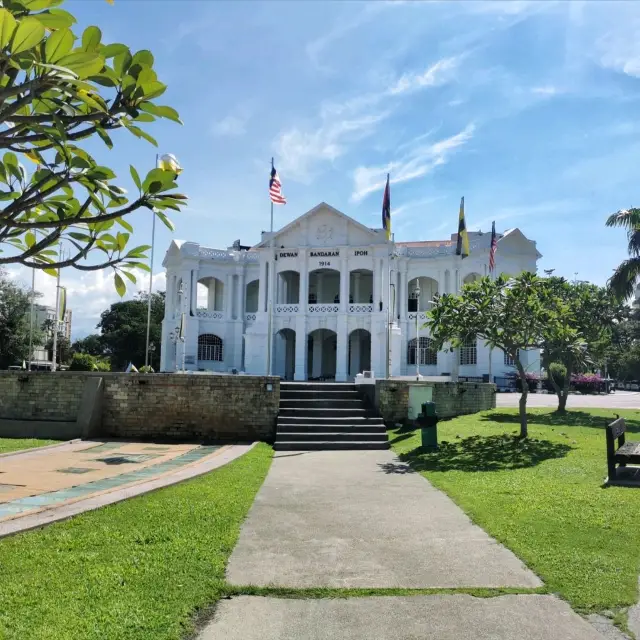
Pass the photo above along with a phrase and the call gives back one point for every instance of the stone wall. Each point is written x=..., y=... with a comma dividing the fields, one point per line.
x=155, y=406
x=40, y=395
x=451, y=398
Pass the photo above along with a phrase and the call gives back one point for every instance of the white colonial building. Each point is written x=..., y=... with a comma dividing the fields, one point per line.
x=336, y=285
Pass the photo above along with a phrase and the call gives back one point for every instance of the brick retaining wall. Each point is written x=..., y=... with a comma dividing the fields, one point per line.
x=155, y=406
x=451, y=398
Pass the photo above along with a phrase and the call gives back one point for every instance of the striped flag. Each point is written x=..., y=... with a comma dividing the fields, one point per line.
x=494, y=248
x=462, y=248
x=275, y=188
x=62, y=304
x=386, y=210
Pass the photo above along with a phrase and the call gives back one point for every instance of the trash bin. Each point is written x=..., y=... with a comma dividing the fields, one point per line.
x=428, y=421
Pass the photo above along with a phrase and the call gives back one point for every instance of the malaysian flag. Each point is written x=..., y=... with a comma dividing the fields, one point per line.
x=493, y=249
x=386, y=210
x=275, y=188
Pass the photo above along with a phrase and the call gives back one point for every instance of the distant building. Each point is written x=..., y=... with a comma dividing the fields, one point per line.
x=636, y=300
x=44, y=318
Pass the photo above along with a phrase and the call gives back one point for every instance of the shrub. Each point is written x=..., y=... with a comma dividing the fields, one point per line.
x=558, y=372
x=87, y=362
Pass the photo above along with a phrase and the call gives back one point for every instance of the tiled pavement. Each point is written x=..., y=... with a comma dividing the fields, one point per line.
x=34, y=480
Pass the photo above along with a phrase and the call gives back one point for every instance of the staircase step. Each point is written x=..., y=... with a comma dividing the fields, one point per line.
x=325, y=445
x=329, y=403
x=343, y=436
x=329, y=420
x=331, y=428
x=312, y=412
x=317, y=386
x=319, y=395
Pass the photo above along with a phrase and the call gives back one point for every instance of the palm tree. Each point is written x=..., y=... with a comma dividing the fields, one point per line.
x=623, y=281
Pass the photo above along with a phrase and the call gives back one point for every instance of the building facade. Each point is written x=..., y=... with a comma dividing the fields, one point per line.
x=343, y=298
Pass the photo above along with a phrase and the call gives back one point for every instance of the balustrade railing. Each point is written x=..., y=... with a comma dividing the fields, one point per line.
x=249, y=318
x=209, y=315
x=361, y=308
x=320, y=307
x=285, y=309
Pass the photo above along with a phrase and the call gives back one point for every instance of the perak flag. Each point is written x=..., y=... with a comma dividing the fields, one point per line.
x=386, y=210
x=462, y=248
x=494, y=247
x=168, y=162
x=62, y=303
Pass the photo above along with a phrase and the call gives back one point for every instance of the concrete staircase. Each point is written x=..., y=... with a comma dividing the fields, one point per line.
x=326, y=415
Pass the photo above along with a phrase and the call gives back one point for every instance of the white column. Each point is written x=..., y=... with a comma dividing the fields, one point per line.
x=376, y=285
x=300, y=372
x=228, y=297
x=193, y=298
x=341, y=349
x=403, y=292
x=240, y=295
x=344, y=284
x=262, y=291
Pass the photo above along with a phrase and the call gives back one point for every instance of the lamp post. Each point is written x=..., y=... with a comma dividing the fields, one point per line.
x=416, y=292
x=152, y=350
x=174, y=337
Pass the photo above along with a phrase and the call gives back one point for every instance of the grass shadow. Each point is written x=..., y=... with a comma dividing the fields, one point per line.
x=485, y=453
x=568, y=419
x=395, y=468
x=404, y=436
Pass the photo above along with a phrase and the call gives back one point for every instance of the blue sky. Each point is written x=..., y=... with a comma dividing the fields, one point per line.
x=529, y=110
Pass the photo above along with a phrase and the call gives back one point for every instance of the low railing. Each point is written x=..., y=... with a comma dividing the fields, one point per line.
x=323, y=308
x=361, y=308
x=286, y=309
x=249, y=318
x=210, y=315
x=422, y=315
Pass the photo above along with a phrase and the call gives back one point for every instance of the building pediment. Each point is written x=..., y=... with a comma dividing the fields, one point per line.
x=324, y=226
x=515, y=242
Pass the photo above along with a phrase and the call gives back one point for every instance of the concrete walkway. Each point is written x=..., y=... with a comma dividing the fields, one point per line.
x=361, y=519
x=364, y=519
x=617, y=400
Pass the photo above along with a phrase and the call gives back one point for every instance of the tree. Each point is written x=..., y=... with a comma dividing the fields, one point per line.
x=622, y=356
x=56, y=92
x=86, y=362
x=584, y=335
x=92, y=345
x=623, y=281
x=124, y=329
x=63, y=349
x=15, y=303
x=507, y=313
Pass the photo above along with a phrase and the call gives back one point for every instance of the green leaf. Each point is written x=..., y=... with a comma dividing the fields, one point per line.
x=167, y=223
x=146, y=77
x=124, y=224
x=136, y=177
x=80, y=236
x=111, y=50
x=122, y=62
x=154, y=89
x=121, y=287
x=105, y=137
x=144, y=117
x=30, y=239
x=58, y=45
x=28, y=34
x=10, y=159
x=161, y=111
x=121, y=240
x=91, y=39
x=79, y=163
x=7, y=27
x=140, y=265
x=51, y=272
x=142, y=58
x=56, y=19
x=130, y=276
x=157, y=175
x=38, y=5
x=83, y=63
x=140, y=133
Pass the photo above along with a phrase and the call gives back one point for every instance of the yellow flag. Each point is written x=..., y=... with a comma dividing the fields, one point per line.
x=462, y=248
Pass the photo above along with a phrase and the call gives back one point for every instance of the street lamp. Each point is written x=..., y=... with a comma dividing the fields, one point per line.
x=152, y=350
x=416, y=292
x=174, y=337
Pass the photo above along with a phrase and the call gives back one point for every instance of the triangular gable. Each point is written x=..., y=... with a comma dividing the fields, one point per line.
x=173, y=251
x=517, y=242
x=326, y=212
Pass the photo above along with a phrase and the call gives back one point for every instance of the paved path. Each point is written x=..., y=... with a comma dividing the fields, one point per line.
x=399, y=618
x=617, y=400
x=37, y=488
x=363, y=519
x=359, y=519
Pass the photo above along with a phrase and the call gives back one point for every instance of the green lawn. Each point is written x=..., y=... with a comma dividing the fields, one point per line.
x=543, y=498
x=17, y=444
x=137, y=569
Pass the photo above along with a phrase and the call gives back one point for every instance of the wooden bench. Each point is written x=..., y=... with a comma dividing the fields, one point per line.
x=621, y=452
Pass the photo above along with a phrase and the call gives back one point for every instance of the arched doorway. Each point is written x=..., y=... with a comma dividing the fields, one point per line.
x=420, y=293
x=210, y=292
x=321, y=355
x=284, y=354
x=288, y=287
x=471, y=277
x=359, y=352
x=324, y=286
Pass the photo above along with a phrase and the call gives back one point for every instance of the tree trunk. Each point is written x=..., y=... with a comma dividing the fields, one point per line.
x=524, y=431
x=564, y=392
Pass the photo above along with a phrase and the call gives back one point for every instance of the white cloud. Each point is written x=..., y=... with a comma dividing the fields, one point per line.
x=231, y=125
x=546, y=90
x=621, y=51
x=89, y=293
x=421, y=160
x=300, y=150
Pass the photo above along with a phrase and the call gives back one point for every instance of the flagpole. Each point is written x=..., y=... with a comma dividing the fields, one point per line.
x=270, y=290
x=153, y=243
x=56, y=321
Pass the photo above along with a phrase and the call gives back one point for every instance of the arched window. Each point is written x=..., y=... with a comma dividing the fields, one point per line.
x=469, y=352
x=426, y=353
x=210, y=347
